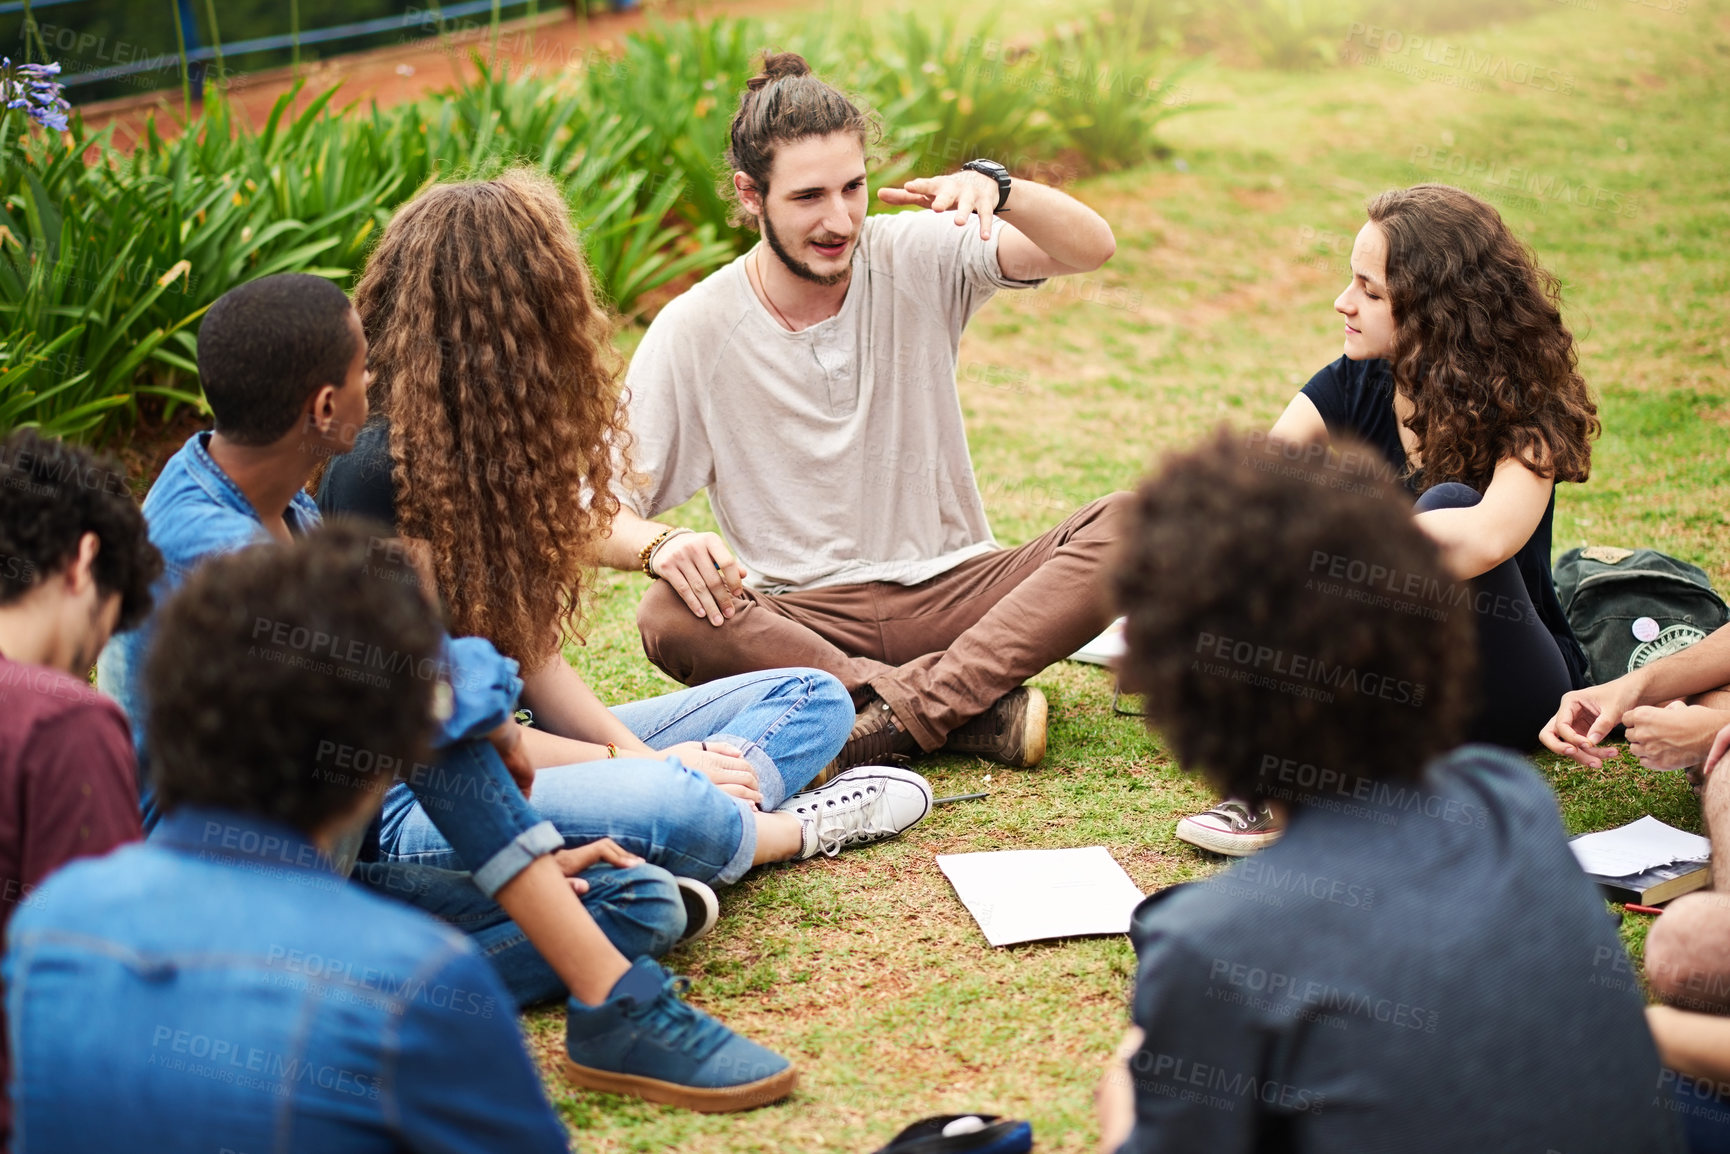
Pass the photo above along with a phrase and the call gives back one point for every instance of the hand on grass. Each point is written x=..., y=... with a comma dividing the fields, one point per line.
x=572, y=862
x=703, y=572
x=721, y=764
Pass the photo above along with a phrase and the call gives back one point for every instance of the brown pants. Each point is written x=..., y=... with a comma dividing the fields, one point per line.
x=940, y=652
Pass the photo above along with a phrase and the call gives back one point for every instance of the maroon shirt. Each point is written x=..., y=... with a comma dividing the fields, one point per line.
x=68, y=789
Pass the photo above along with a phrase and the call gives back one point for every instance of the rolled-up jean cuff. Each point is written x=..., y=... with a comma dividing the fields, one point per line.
x=770, y=783
x=518, y=853
x=740, y=864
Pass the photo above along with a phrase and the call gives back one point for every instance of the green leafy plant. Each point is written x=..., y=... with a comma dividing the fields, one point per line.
x=1108, y=97
x=106, y=266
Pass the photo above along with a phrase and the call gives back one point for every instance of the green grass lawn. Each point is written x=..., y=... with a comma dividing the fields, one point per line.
x=1615, y=167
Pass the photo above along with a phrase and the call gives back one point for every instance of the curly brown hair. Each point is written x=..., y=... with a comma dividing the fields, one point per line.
x=1252, y=662
x=1479, y=346
x=494, y=364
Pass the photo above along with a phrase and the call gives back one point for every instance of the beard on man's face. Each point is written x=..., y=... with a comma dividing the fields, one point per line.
x=797, y=267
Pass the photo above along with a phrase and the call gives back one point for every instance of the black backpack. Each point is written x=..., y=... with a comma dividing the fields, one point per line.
x=1629, y=607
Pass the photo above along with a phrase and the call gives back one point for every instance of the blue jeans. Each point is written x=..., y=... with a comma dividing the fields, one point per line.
x=639, y=909
x=469, y=796
x=789, y=723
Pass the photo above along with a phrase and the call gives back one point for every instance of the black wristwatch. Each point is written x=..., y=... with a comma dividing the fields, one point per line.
x=996, y=172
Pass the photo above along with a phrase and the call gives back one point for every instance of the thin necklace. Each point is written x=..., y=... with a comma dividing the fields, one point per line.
x=764, y=286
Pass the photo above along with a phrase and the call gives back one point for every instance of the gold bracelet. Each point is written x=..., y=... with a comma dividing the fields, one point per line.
x=648, y=551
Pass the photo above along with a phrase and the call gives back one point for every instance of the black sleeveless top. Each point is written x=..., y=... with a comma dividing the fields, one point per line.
x=1356, y=398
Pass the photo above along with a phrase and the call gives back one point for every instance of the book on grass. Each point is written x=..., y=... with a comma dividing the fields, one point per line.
x=1645, y=862
x=1658, y=885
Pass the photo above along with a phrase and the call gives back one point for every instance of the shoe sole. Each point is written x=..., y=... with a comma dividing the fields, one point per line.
x=722, y=1101
x=1228, y=844
x=700, y=900
x=1033, y=724
x=1033, y=751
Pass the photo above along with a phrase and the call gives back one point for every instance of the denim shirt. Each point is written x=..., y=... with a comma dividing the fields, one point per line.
x=195, y=511
x=219, y=988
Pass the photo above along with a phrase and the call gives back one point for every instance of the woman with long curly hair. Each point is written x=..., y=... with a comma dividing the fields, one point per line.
x=1459, y=370
x=496, y=435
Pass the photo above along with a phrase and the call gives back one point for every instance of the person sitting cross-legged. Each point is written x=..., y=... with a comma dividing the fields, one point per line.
x=810, y=387
x=1418, y=964
x=489, y=452
x=1460, y=374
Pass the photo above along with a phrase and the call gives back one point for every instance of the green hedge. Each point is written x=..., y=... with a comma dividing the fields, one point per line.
x=106, y=267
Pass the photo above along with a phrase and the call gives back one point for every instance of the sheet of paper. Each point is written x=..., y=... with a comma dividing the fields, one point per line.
x=1637, y=847
x=1024, y=895
x=1105, y=648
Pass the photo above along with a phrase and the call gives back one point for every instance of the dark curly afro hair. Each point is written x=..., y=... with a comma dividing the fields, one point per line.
x=1288, y=621
x=288, y=679
x=51, y=494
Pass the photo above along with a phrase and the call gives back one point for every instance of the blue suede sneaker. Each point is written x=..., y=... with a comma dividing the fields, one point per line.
x=644, y=1040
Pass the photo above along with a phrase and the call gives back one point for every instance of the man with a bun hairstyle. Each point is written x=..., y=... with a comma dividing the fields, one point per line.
x=810, y=387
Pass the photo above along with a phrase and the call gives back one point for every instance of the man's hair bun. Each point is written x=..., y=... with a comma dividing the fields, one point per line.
x=778, y=66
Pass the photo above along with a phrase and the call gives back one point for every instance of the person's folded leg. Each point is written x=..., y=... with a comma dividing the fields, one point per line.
x=787, y=722
x=831, y=629
x=638, y=909
x=671, y=816
x=996, y=620
x=1521, y=672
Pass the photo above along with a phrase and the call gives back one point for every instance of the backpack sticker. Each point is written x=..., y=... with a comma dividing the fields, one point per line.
x=1672, y=640
x=1645, y=629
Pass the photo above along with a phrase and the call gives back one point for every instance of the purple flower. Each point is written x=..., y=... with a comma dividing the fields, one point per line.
x=32, y=87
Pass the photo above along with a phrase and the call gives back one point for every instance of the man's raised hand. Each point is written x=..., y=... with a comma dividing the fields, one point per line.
x=703, y=572
x=967, y=192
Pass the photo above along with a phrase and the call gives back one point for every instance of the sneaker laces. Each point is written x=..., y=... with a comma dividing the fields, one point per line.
x=855, y=819
x=677, y=1024
x=874, y=738
x=1236, y=812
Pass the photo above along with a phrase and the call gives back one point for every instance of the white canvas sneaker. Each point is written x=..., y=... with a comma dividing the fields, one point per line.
x=865, y=804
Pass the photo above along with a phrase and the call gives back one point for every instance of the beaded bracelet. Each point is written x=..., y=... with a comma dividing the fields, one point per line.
x=648, y=551
x=655, y=547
